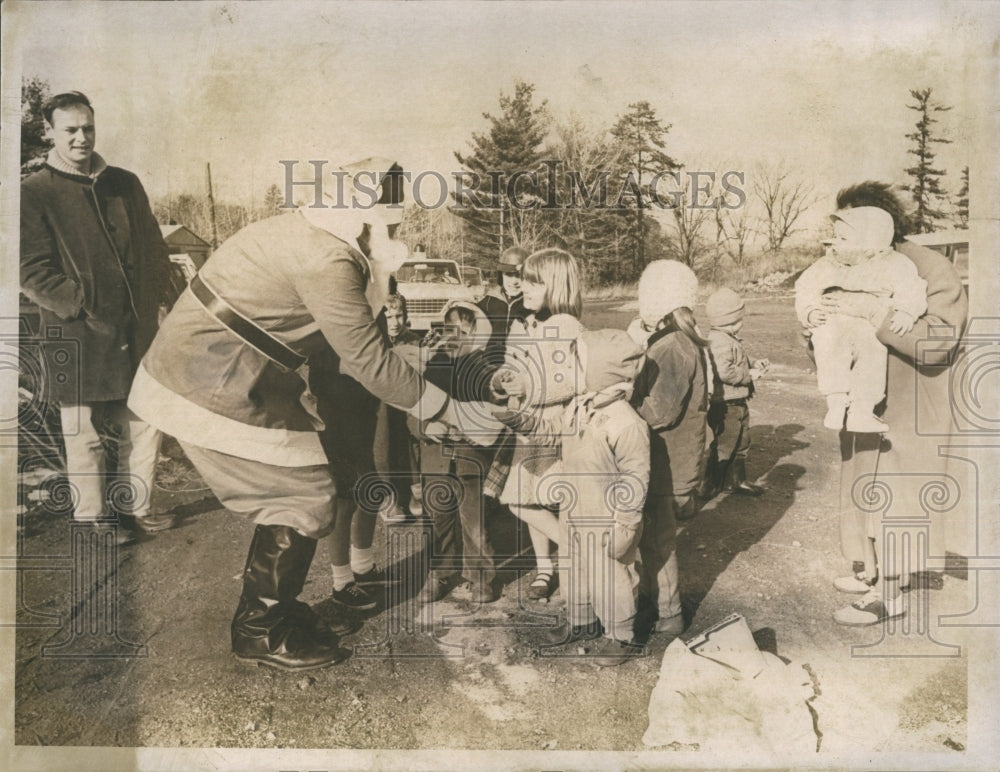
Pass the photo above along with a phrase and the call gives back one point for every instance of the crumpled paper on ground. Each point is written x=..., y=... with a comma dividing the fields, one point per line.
x=731, y=696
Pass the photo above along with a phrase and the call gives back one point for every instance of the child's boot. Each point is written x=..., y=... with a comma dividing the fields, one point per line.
x=736, y=479
x=836, y=407
x=862, y=419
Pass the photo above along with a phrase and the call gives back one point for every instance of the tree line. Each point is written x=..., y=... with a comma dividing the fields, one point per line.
x=614, y=196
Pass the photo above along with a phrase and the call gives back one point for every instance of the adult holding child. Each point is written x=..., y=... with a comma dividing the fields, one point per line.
x=904, y=458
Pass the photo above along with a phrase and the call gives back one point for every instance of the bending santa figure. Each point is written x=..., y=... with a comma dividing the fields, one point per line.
x=224, y=376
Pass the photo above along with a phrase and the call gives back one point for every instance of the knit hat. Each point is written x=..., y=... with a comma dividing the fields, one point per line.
x=482, y=329
x=512, y=259
x=870, y=228
x=608, y=357
x=665, y=286
x=724, y=307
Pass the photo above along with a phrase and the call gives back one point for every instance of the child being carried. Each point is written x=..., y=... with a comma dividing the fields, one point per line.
x=850, y=360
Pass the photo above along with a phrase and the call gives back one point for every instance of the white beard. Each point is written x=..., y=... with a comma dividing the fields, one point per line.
x=386, y=256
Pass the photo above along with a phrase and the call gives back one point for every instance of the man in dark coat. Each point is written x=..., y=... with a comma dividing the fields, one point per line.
x=94, y=261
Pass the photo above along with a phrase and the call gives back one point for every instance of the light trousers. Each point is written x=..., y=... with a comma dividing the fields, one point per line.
x=98, y=491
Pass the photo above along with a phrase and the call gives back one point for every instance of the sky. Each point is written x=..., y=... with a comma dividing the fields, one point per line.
x=821, y=88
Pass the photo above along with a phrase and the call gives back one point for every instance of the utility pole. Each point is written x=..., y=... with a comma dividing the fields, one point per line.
x=211, y=207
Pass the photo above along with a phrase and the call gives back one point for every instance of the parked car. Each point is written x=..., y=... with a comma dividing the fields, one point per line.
x=428, y=285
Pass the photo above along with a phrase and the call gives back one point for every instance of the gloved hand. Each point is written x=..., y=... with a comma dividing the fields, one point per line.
x=623, y=542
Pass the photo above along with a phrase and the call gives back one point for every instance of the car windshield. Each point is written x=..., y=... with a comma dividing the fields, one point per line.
x=441, y=273
x=472, y=276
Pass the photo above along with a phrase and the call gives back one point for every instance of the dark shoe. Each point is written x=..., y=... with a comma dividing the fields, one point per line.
x=566, y=633
x=611, y=653
x=434, y=589
x=542, y=586
x=736, y=479
x=156, y=523
x=476, y=592
x=671, y=625
x=326, y=632
x=746, y=489
x=270, y=626
x=354, y=597
x=375, y=576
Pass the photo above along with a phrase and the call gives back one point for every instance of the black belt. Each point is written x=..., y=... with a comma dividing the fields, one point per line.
x=244, y=328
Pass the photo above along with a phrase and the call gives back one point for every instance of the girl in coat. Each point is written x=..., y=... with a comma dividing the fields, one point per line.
x=672, y=396
x=539, y=374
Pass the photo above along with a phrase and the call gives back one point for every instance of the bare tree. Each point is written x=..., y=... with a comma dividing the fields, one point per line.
x=688, y=219
x=784, y=200
x=739, y=231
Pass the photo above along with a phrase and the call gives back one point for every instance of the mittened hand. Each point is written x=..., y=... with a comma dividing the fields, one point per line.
x=624, y=539
x=901, y=322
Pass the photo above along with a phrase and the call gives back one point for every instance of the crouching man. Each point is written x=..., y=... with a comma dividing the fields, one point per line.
x=224, y=376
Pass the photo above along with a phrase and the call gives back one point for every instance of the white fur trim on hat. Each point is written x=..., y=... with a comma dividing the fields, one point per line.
x=665, y=286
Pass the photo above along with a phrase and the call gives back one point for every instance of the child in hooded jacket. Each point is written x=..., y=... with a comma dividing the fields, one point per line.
x=672, y=396
x=453, y=468
x=733, y=386
x=605, y=462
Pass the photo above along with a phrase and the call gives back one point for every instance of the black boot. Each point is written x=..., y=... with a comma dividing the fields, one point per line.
x=271, y=626
x=736, y=479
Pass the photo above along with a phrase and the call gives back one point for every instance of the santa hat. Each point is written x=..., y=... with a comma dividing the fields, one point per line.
x=724, y=307
x=350, y=205
x=665, y=286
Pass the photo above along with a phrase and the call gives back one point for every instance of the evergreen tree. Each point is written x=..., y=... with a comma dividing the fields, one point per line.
x=639, y=134
x=583, y=223
x=273, y=201
x=963, y=200
x=926, y=186
x=34, y=146
x=494, y=218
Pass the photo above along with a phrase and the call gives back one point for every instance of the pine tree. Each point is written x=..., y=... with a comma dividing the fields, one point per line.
x=274, y=199
x=583, y=223
x=926, y=186
x=494, y=219
x=963, y=200
x=640, y=137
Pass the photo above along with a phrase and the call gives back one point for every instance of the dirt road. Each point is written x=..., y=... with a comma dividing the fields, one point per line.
x=454, y=676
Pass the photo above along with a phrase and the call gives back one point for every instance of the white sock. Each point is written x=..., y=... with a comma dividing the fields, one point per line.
x=544, y=565
x=362, y=560
x=342, y=576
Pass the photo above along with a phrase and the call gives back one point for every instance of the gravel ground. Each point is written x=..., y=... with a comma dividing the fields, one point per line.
x=453, y=676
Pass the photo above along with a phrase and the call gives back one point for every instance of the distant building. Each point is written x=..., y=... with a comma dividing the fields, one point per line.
x=188, y=253
x=181, y=240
